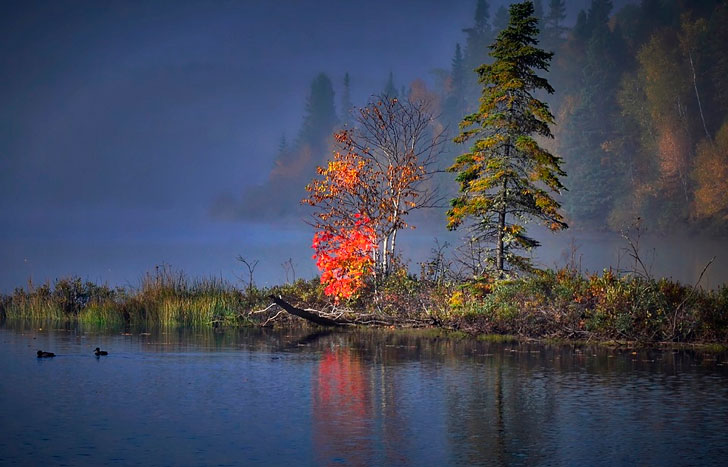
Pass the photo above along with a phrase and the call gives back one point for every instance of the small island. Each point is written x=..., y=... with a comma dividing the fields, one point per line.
x=387, y=165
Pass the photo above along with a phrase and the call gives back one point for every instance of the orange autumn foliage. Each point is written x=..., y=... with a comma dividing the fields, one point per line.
x=381, y=171
x=343, y=188
x=711, y=175
x=673, y=150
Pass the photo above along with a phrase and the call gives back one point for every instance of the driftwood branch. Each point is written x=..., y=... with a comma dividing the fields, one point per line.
x=272, y=318
x=301, y=313
x=264, y=309
x=338, y=318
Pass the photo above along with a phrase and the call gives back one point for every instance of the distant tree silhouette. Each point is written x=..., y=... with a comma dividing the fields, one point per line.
x=320, y=117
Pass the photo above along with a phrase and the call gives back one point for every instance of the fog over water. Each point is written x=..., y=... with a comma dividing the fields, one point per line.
x=123, y=124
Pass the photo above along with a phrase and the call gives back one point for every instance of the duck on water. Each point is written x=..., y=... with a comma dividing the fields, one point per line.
x=42, y=354
x=98, y=352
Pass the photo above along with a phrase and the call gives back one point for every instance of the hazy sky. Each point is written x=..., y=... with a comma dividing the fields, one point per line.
x=123, y=121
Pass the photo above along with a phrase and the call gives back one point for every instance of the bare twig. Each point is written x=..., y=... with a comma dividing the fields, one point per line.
x=265, y=309
x=273, y=317
x=251, y=265
x=678, y=309
x=289, y=269
x=633, y=250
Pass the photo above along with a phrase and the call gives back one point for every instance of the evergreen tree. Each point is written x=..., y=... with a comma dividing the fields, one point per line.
x=500, y=21
x=390, y=90
x=581, y=28
x=553, y=29
x=591, y=125
x=477, y=39
x=538, y=10
x=320, y=116
x=454, y=105
x=640, y=21
x=598, y=15
x=482, y=14
x=506, y=178
x=457, y=70
x=346, y=105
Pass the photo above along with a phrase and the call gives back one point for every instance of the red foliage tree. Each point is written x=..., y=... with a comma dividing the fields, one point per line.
x=382, y=171
x=344, y=257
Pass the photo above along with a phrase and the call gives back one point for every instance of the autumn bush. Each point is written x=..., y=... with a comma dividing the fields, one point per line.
x=567, y=304
x=403, y=295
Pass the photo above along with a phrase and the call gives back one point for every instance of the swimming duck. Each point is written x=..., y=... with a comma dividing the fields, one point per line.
x=98, y=352
x=42, y=354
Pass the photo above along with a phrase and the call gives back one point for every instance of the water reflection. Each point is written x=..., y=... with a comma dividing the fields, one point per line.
x=361, y=397
x=342, y=420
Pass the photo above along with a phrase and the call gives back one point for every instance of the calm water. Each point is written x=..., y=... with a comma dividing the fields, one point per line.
x=364, y=397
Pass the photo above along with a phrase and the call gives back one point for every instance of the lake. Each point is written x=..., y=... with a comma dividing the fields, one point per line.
x=364, y=397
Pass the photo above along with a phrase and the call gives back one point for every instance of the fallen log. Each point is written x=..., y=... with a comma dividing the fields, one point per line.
x=301, y=313
x=368, y=319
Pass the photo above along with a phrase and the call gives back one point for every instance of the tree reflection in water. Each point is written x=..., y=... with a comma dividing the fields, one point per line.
x=342, y=409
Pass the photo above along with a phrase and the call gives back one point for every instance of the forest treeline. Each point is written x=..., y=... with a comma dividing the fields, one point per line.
x=641, y=108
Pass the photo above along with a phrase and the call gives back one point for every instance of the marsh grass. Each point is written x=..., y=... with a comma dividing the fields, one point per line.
x=100, y=315
x=164, y=297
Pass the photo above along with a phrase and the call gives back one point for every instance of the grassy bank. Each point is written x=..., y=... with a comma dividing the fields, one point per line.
x=561, y=304
x=164, y=297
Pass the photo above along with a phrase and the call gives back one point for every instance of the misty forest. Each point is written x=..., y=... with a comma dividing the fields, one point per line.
x=639, y=107
x=615, y=122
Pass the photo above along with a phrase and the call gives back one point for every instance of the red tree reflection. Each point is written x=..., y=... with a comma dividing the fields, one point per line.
x=342, y=410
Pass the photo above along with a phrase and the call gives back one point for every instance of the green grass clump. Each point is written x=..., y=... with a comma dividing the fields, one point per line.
x=101, y=316
x=498, y=338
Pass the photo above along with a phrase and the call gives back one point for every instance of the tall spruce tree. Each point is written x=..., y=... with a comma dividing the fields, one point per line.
x=346, y=105
x=553, y=24
x=506, y=179
x=390, y=90
x=500, y=21
x=320, y=116
x=455, y=103
x=538, y=10
x=475, y=52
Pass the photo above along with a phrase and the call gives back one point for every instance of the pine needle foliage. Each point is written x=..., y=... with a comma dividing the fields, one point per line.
x=507, y=179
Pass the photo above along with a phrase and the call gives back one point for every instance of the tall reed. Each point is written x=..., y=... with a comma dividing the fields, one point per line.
x=164, y=297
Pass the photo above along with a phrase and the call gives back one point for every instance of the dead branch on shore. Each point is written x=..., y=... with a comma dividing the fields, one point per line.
x=301, y=313
x=348, y=318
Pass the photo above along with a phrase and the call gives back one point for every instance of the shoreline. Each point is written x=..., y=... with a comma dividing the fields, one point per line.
x=552, y=306
x=433, y=332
